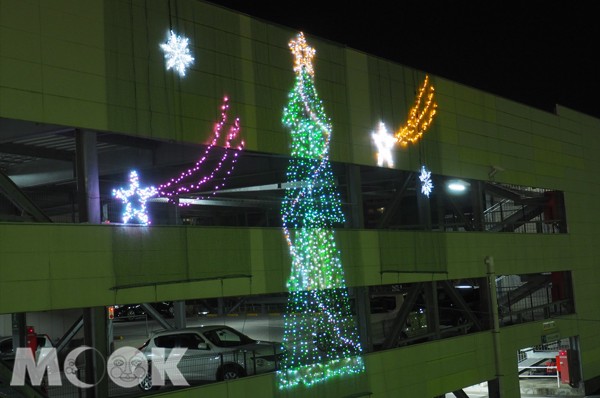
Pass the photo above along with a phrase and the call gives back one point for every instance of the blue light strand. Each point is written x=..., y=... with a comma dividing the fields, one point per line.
x=320, y=335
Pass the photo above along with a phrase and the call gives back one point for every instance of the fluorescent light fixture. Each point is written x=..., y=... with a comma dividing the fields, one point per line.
x=464, y=286
x=457, y=186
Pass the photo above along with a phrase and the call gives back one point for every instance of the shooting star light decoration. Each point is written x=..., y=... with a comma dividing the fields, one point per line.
x=193, y=180
x=420, y=117
x=197, y=178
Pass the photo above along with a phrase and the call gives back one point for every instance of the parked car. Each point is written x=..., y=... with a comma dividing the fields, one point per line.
x=384, y=310
x=214, y=353
x=7, y=352
x=132, y=312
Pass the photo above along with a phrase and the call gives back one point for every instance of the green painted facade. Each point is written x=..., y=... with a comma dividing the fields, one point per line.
x=97, y=65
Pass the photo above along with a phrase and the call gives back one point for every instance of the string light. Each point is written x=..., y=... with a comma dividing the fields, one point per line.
x=384, y=142
x=135, y=199
x=419, y=119
x=197, y=177
x=320, y=336
x=303, y=55
x=426, y=183
x=177, y=53
x=190, y=181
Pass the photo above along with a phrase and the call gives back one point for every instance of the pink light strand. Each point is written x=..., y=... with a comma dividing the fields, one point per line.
x=178, y=186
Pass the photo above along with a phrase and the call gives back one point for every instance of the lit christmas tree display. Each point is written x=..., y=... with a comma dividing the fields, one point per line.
x=320, y=335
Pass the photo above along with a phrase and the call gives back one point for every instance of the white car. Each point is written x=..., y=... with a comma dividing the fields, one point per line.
x=213, y=353
x=7, y=352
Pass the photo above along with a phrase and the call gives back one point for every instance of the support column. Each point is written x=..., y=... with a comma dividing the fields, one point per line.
x=477, y=201
x=433, y=314
x=88, y=189
x=179, y=314
x=220, y=306
x=95, y=328
x=19, y=329
x=441, y=209
x=363, y=315
x=423, y=207
x=354, y=192
x=494, y=387
x=94, y=335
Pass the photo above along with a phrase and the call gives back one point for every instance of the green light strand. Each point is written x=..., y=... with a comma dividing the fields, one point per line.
x=320, y=335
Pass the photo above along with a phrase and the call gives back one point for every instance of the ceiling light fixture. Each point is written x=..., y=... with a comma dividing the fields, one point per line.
x=457, y=186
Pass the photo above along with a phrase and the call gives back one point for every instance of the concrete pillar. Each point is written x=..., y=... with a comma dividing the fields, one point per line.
x=86, y=170
x=94, y=335
x=354, y=191
x=220, y=306
x=423, y=207
x=363, y=315
x=432, y=314
x=494, y=386
x=179, y=314
x=19, y=329
x=477, y=202
x=94, y=319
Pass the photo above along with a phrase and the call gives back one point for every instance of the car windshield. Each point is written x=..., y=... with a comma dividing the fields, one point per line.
x=6, y=346
x=226, y=337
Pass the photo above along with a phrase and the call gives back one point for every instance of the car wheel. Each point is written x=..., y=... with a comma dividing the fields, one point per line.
x=146, y=383
x=131, y=315
x=462, y=321
x=229, y=372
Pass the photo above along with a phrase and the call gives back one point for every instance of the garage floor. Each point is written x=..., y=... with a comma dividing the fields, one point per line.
x=539, y=387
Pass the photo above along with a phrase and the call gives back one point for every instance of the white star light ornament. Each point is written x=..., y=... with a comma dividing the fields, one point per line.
x=177, y=53
x=426, y=184
x=384, y=141
x=134, y=198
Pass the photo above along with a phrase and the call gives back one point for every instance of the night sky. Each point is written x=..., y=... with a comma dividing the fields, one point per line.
x=535, y=52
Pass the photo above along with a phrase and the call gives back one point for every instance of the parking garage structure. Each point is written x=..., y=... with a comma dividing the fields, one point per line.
x=91, y=100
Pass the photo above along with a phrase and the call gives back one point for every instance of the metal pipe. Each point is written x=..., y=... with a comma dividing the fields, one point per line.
x=491, y=276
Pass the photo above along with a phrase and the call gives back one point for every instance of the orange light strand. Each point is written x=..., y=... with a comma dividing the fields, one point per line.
x=419, y=120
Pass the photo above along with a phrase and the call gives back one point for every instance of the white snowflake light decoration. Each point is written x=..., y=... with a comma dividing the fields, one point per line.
x=177, y=53
x=384, y=142
x=426, y=184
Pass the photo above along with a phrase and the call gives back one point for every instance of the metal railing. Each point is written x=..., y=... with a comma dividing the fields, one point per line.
x=537, y=305
x=549, y=372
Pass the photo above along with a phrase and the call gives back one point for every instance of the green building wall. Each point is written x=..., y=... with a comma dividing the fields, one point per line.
x=97, y=65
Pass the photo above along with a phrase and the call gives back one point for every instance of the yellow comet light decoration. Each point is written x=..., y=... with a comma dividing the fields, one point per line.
x=420, y=116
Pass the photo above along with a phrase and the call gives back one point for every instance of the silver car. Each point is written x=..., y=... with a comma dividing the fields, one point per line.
x=213, y=353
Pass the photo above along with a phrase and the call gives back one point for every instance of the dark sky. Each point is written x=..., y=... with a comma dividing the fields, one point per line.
x=536, y=52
